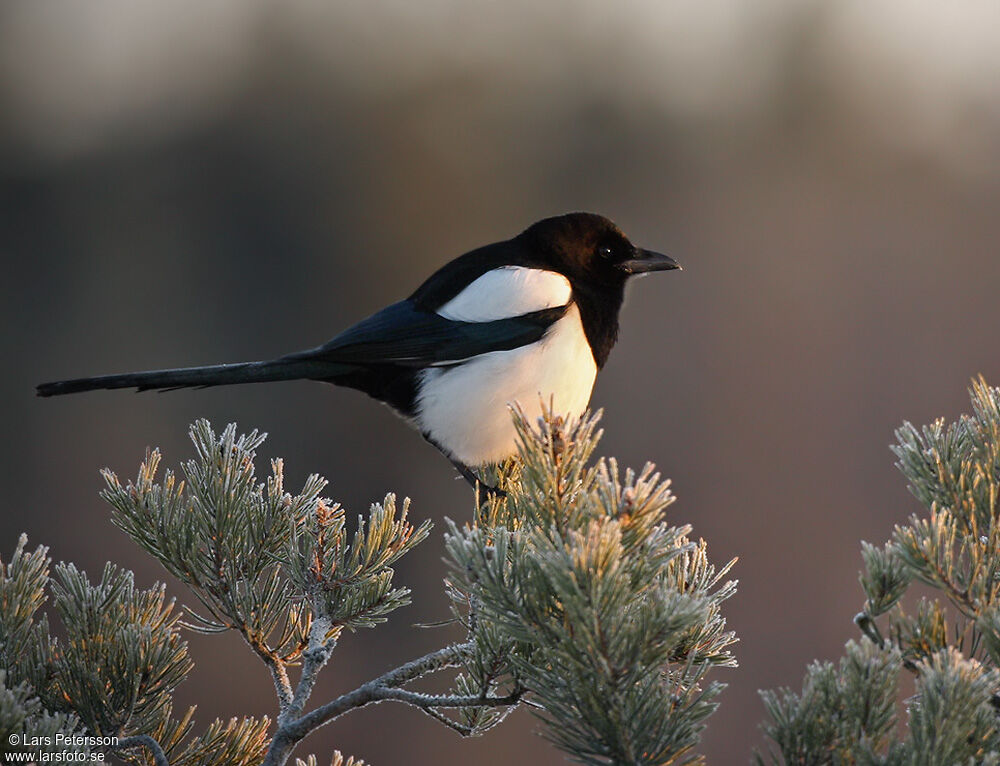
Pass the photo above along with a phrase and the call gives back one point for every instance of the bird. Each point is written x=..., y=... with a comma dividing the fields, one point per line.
x=528, y=320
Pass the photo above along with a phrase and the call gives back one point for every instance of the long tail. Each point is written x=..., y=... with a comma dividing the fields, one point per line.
x=204, y=377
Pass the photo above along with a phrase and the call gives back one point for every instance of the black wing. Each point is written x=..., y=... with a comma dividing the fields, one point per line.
x=402, y=334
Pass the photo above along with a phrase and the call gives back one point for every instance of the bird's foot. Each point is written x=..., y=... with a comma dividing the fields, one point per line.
x=475, y=482
x=492, y=491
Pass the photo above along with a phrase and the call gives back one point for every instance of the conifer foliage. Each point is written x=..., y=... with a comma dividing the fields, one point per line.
x=574, y=587
x=112, y=675
x=949, y=643
x=571, y=595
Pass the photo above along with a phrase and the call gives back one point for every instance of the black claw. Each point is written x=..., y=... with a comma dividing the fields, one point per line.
x=493, y=491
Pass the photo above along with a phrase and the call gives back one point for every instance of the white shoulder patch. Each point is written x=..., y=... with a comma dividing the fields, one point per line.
x=508, y=292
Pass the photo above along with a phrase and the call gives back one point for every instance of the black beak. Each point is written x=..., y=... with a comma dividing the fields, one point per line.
x=646, y=261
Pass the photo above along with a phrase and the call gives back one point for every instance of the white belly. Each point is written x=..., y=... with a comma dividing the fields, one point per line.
x=465, y=409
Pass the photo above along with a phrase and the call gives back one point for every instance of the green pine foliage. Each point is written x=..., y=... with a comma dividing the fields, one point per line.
x=349, y=581
x=123, y=654
x=576, y=590
x=113, y=673
x=281, y=569
x=222, y=532
x=572, y=593
x=22, y=716
x=28, y=656
x=950, y=642
x=26, y=648
x=845, y=713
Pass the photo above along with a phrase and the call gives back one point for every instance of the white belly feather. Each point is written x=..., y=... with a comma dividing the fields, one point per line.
x=464, y=409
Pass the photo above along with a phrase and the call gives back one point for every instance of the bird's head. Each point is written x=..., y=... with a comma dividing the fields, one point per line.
x=592, y=251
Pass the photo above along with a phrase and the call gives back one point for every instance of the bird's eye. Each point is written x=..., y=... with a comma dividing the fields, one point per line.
x=605, y=251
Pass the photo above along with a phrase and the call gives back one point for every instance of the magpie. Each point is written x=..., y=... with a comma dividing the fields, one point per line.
x=522, y=321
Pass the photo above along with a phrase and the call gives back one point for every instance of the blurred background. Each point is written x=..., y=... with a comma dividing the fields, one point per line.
x=187, y=183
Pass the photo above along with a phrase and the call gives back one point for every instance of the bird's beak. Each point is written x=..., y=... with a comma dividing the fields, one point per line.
x=646, y=261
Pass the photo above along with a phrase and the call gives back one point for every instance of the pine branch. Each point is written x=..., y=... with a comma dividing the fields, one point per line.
x=846, y=713
x=383, y=688
x=282, y=684
x=572, y=588
x=315, y=657
x=575, y=587
x=223, y=533
x=418, y=699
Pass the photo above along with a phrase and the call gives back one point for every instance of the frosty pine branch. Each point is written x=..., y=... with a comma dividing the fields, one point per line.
x=573, y=594
x=950, y=643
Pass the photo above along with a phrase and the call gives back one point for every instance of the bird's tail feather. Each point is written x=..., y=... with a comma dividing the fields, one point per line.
x=287, y=368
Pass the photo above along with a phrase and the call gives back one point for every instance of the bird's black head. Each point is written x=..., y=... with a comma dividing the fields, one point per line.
x=597, y=258
x=591, y=251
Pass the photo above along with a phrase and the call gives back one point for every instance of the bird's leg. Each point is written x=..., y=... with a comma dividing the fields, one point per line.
x=475, y=481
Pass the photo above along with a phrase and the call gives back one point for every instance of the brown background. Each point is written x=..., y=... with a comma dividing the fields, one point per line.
x=191, y=183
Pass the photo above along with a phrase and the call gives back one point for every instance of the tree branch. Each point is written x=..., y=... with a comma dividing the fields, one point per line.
x=421, y=700
x=462, y=729
x=385, y=687
x=378, y=689
x=282, y=686
x=314, y=658
x=429, y=663
x=144, y=740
